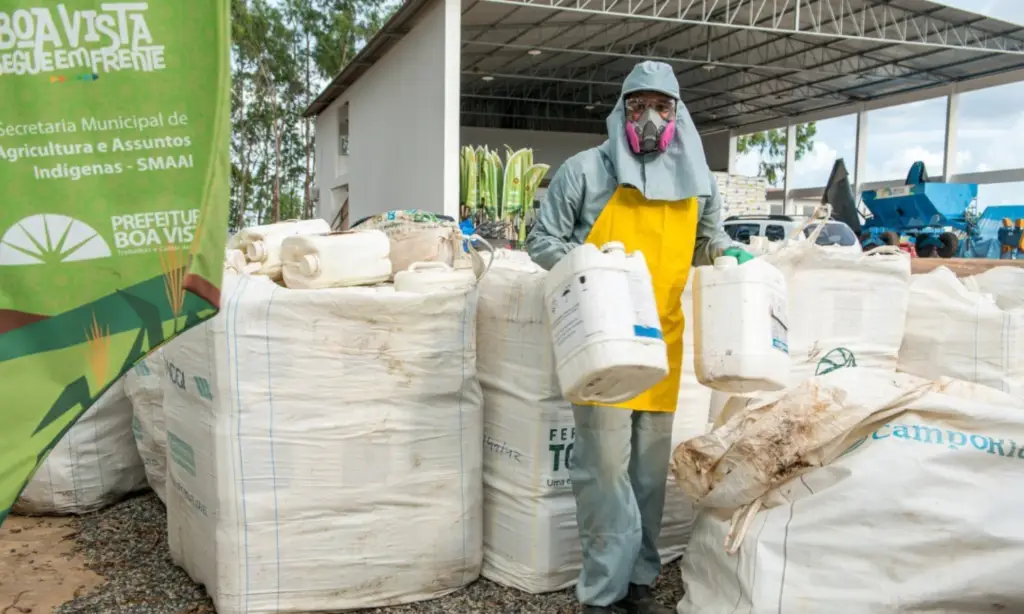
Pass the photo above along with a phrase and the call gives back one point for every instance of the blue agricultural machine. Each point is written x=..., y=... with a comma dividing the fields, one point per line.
x=936, y=219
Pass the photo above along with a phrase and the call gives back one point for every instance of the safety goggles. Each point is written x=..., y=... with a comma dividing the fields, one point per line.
x=636, y=107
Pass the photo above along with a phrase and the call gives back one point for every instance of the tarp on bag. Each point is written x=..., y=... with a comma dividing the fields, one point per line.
x=954, y=332
x=94, y=465
x=784, y=434
x=913, y=515
x=116, y=187
x=846, y=308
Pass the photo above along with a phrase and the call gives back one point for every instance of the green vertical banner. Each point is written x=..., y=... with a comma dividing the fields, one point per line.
x=114, y=186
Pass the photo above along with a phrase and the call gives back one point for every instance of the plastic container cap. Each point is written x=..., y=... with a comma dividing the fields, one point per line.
x=724, y=262
x=613, y=246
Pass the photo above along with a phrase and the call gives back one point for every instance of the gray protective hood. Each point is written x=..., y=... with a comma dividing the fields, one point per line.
x=678, y=173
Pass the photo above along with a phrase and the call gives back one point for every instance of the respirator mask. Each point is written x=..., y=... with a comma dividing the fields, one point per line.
x=647, y=130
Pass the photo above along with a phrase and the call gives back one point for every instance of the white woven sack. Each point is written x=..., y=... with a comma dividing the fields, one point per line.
x=324, y=448
x=415, y=240
x=94, y=465
x=846, y=308
x=954, y=332
x=144, y=386
x=531, y=539
x=909, y=516
x=1004, y=283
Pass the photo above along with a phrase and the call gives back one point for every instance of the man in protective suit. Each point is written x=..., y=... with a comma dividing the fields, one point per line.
x=649, y=187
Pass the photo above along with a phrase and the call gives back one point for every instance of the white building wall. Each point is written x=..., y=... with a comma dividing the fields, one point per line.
x=331, y=167
x=402, y=126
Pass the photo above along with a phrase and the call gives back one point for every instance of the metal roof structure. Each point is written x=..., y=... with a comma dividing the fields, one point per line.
x=559, y=64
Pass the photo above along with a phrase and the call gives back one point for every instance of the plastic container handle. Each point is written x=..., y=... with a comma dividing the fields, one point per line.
x=309, y=265
x=256, y=251
x=822, y=215
x=490, y=249
x=423, y=266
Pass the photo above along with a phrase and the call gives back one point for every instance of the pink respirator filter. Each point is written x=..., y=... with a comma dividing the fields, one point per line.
x=633, y=136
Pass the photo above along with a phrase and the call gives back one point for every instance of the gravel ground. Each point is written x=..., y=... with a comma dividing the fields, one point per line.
x=127, y=543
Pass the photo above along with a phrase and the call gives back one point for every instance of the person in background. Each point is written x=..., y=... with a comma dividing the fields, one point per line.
x=1020, y=239
x=1006, y=243
x=649, y=187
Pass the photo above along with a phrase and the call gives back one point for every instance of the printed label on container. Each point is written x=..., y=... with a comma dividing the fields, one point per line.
x=780, y=329
x=590, y=306
x=641, y=291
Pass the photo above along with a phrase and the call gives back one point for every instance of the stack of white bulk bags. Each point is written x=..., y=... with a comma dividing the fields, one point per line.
x=846, y=308
x=144, y=386
x=953, y=331
x=324, y=448
x=531, y=540
x=93, y=465
x=530, y=536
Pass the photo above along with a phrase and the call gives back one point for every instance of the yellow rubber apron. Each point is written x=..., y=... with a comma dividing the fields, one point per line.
x=666, y=232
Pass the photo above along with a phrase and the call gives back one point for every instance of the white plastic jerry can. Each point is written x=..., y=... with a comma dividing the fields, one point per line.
x=740, y=326
x=605, y=329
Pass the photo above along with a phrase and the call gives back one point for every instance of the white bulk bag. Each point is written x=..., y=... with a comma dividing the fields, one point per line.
x=93, y=465
x=911, y=516
x=530, y=537
x=144, y=386
x=845, y=308
x=954, y=332
x=1005, y=283
x=324, y=448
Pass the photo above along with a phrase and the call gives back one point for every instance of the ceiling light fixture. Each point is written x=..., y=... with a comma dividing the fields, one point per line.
x=533, y=52
x=589, y=107
x=487, y=78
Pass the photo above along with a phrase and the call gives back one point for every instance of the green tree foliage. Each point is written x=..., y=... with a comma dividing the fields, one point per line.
x=283, y=53
x=771, y=144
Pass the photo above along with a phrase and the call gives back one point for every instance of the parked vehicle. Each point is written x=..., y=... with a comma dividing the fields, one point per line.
x=741, y=228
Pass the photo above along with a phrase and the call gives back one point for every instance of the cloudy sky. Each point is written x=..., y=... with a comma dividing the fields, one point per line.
x=990, y=125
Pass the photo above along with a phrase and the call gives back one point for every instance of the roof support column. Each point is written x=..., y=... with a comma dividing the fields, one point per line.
x=733, y=139
x=860, y=157
x=949, y=153
x=790, y=166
